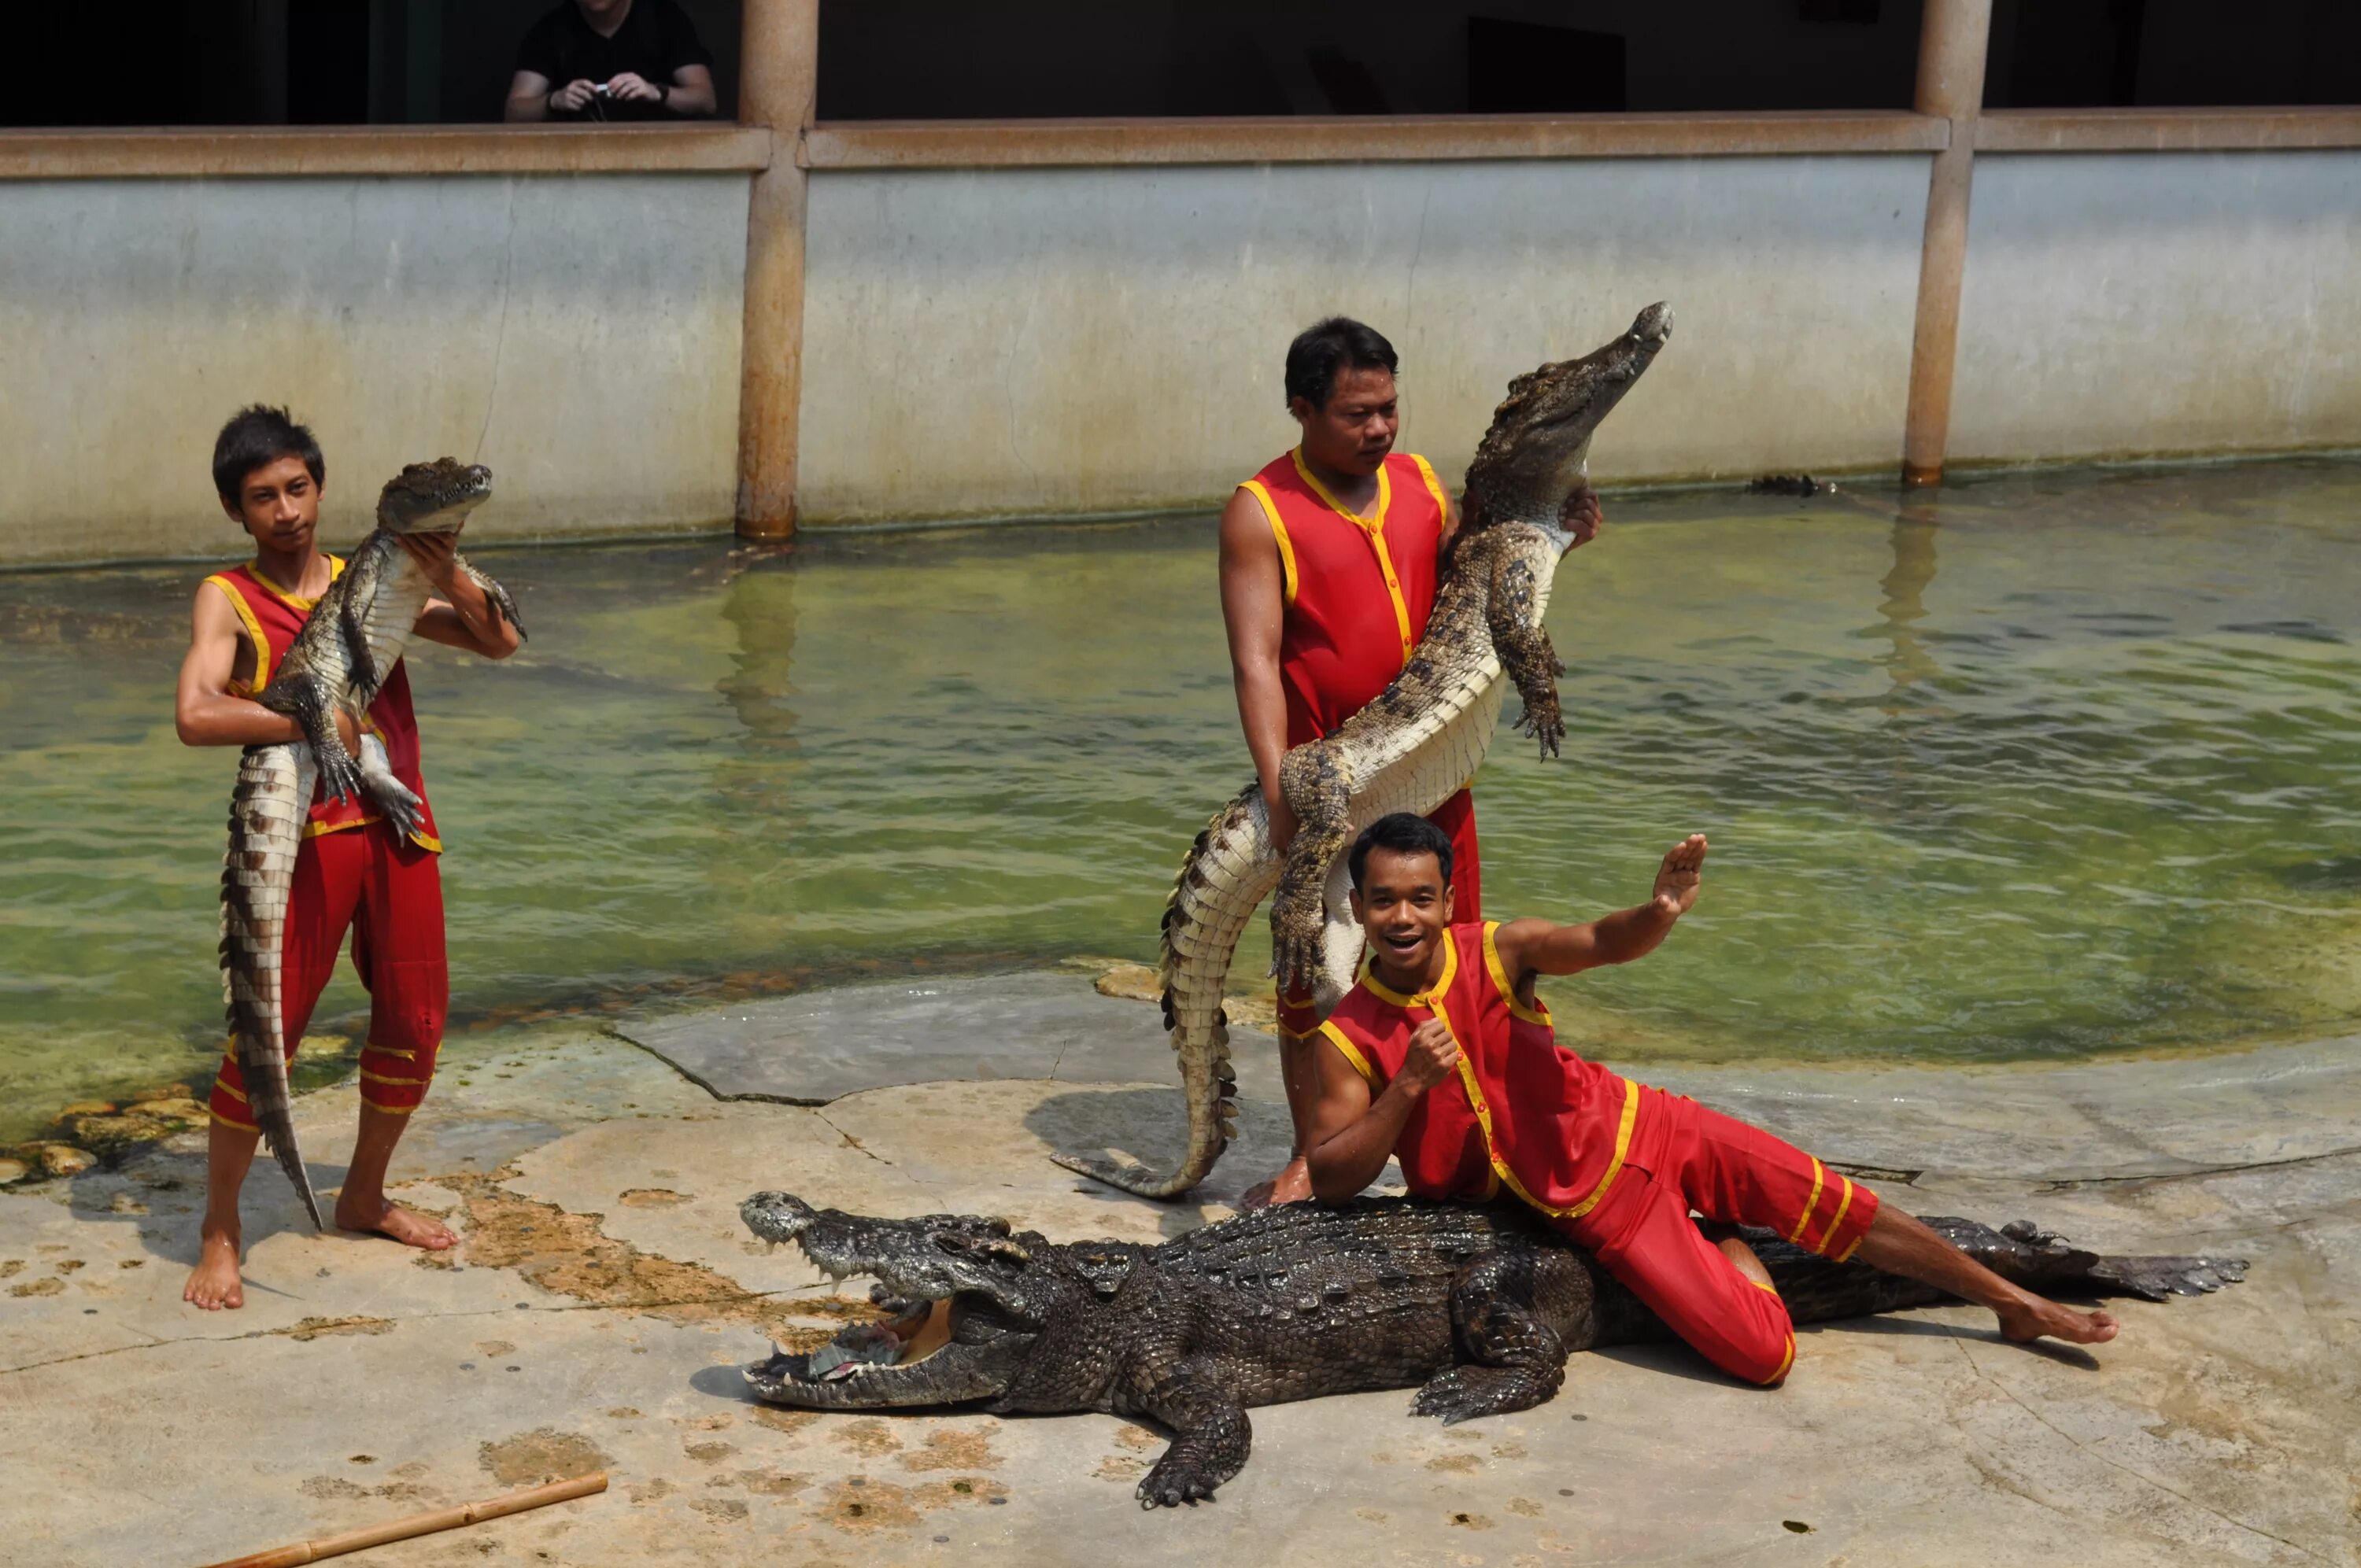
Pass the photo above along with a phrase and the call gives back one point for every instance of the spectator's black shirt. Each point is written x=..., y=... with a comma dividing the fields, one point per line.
x=655, y=40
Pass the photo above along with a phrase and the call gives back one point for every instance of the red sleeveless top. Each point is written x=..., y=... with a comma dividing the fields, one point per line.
x=1358, y=588
x=271, y=617
x=1521, y=1113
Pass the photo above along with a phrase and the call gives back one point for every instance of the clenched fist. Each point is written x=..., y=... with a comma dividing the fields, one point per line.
x=1433, y=1056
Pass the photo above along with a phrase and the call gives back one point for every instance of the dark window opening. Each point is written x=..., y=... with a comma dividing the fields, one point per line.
x=297, y=62
x=924, y=60
x=2074, y=54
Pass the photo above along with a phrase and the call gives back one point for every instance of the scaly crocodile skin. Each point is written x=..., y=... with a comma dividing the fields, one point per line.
x=1477, y=1308
x=1410, y=750
x=356, y=634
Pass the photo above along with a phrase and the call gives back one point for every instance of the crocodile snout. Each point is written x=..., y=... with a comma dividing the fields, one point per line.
x=775, y=1216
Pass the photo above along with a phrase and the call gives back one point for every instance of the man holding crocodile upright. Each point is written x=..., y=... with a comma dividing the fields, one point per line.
x=1330, y=559
x=1442, y=1056
x=353, y=869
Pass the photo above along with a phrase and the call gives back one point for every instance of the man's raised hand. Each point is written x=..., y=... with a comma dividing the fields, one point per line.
x=1678, y=877
x=1433, y=1057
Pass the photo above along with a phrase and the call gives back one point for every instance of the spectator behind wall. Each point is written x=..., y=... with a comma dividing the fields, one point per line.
x=612, y=60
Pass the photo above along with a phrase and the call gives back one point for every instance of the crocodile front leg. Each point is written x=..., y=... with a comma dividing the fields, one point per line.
x=394, y=800
x=1321, y=798
x=1524, y=649
x=501, y=600
x=307, y=700
x=1211, y=1435
x=1521, y=1359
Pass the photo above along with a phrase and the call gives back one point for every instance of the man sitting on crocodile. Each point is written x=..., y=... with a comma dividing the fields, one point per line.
x=1330, y=559
x=1441, y=1056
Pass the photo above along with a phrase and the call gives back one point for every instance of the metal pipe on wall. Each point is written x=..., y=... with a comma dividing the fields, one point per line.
x=777, y=84
x=1953, y=37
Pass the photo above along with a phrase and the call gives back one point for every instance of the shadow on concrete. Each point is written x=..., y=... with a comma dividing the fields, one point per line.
x=1150, y=1126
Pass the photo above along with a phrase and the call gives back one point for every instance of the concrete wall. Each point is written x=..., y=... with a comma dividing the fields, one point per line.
x=1093, y=340
x=578, y=334
x=1039, y=341
x=2159, y=303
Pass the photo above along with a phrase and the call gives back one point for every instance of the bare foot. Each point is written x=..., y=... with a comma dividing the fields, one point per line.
x=2037, y=1317
x=405, y=1225
x=1292, y=1185
x=214, y=1283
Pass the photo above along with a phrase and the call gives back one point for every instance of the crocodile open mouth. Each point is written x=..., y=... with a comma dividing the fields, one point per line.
x=927, y=1353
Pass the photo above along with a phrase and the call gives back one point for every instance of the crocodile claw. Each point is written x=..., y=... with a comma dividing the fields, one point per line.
x=1169, y=1485
x=1465, y=1393
x=395, y=800
x=340, y=780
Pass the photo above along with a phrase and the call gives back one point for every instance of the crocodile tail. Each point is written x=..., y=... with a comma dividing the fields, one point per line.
x=267, y=810
x=1229, y=871
x=1817, y=1290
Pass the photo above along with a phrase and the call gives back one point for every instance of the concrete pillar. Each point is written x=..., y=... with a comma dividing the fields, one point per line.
x=1953, y=37
x=777, y=81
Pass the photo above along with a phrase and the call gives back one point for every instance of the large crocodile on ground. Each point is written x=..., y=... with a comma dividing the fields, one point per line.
x=346, y=652
x=1415, y=745
x=1477, y=1308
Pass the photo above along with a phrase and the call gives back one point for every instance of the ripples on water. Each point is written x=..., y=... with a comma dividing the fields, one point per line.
x=2066, y=765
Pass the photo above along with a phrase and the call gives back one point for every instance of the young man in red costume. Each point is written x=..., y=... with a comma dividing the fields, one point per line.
x=353, y=868
x=1442, y=1056
x=1329, y=563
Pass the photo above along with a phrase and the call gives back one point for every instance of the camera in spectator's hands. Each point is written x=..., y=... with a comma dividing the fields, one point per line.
x=601, y=90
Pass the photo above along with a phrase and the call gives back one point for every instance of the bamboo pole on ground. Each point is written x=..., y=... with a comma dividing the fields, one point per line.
x=427, y=1523
x=1953, y=36
x=777, y=84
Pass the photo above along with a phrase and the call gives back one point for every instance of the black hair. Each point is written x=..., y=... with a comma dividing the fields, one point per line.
x=1340, y=343
x=256, y=435
x=1404, y=835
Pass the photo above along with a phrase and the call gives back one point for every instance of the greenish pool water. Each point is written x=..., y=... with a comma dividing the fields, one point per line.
x=2062, y=765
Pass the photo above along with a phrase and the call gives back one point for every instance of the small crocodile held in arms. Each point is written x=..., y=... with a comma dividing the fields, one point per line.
x=1415, y=745
x=1477, y=1308
x=343, y=655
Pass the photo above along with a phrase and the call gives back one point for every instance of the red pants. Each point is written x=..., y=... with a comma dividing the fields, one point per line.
x=389, y=891
x=1456, y=817
x=1684, y=1156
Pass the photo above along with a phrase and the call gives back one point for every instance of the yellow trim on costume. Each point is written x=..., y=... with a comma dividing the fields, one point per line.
x=1433, y=487
x=387, y=1051
x=1837, y=1224
x=1375, y=519
x=1760, y=1284
x=1255, y=488
x=231, y=1121
x=1785, y=1361
x=1352, y=1052
x=426, y=842
x=386, y=1110
x=379, y=1078
x=1499, y=971
x=222, y=1083
x=1854, y=1248
x=322, y=829
x=1431, y=999
x=294, y=601
x=1374, y=525
x=1796, y=1236
x=253, y=625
